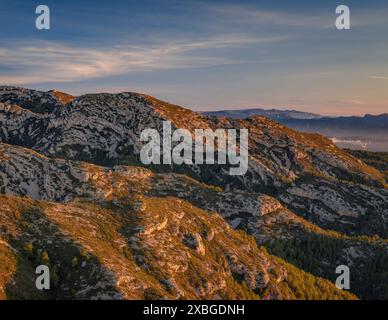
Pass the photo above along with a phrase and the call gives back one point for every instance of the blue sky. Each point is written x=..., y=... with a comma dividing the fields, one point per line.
x=204, y=55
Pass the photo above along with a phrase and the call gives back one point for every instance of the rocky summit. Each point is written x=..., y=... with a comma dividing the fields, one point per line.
x=75, y=196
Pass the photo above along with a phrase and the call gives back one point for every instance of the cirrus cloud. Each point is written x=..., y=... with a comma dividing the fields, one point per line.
x=55, y=62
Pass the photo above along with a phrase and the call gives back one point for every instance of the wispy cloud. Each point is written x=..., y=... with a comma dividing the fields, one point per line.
x=378, y=77
x=253, y=15
x=54, y=62
x=352, y=102
x=314, y=19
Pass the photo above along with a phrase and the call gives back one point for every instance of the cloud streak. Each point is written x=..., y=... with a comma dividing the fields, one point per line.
x=271, y=18
x=322, y=20
x=54, y=62
x=353, y=102
x=379, y=77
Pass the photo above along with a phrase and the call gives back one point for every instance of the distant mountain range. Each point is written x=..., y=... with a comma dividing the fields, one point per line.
x=274, y=114
x=368, y=132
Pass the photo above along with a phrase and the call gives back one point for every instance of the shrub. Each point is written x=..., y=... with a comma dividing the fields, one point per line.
x=29, y=247
x=74, y=262
x=45, y=259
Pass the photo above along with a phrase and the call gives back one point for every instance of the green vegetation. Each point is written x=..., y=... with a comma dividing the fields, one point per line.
x=74, y=262
x=378, y=160
x=320, y=254
x=304, y=286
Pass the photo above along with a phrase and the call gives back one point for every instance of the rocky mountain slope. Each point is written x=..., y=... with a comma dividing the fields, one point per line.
x=167, y=231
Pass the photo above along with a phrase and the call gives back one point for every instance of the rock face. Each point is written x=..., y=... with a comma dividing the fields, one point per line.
x=97, y=252
x=195, y=242
x=35, y=101
x=104, y=129
x=269, y=204
x=171, y=226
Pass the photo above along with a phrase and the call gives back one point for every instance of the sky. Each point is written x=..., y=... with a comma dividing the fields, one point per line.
x=204, y=55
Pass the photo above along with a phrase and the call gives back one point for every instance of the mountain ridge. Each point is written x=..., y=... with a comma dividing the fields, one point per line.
x=86, y=151
x=354, y=132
